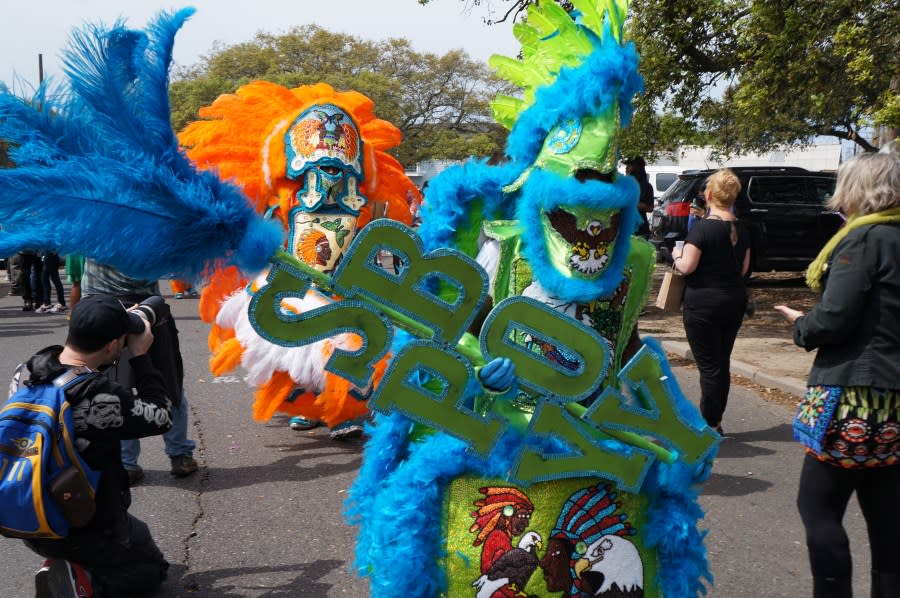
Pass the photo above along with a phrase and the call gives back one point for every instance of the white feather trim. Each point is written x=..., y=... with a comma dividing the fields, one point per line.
x=489, y=259
x=262, y=358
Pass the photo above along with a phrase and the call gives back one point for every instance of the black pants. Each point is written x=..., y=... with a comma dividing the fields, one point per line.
x=123, y=560
x=822, y=500
x=51, y=275
x=30, y=278
x=712, y=318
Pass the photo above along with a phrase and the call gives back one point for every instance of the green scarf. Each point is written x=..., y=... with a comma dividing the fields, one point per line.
x=817, y=267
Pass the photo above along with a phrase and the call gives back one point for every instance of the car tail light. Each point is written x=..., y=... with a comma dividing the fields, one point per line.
x=680, y=208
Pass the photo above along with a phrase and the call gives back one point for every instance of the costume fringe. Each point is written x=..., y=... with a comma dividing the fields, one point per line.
x=221, y=285
x=336, y=404
x=460, y=199
x=270, y=395
x=217, y=336
x=226, y=357
x=398, y=501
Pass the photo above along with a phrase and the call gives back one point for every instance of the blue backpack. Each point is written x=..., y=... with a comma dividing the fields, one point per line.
x=45, y=485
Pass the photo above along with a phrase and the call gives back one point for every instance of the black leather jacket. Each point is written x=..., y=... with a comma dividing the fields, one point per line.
x=104, y=413
x=856, y=324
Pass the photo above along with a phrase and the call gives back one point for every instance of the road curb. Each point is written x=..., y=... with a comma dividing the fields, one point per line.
x=786, y=384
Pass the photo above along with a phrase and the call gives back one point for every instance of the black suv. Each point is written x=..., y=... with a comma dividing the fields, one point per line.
x=783, y=208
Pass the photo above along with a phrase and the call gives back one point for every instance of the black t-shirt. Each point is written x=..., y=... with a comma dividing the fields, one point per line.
x=720, y=263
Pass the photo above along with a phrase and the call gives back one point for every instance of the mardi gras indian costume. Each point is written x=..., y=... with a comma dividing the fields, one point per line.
x=312, y=159
x=441, y=515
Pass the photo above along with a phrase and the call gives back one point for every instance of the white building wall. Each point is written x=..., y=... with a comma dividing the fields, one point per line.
x=825, y=156
x=428, y=169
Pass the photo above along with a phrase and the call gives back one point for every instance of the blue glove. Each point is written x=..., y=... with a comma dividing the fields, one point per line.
x=498, y=375
x=702, y=471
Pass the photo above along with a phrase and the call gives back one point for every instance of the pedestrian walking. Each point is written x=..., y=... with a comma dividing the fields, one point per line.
x=715, y=258
x=74, y=271
x=849, y=419
x=50, y=275
x=30, y=279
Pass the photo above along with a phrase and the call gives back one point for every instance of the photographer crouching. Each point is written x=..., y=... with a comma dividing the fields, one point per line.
x=113, y=554
x=165, y=354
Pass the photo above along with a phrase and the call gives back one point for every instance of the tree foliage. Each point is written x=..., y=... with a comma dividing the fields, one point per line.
x=440, y=103
x=751, y=75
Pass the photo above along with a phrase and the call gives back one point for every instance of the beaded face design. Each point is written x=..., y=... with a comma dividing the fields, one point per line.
x=324, y=154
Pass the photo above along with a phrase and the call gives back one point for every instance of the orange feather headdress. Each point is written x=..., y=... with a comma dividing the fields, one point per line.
x=241, y=135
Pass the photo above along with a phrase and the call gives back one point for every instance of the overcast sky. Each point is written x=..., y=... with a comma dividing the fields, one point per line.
x=32, y=27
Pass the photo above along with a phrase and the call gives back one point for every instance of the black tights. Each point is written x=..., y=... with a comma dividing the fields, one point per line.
x=822, y=500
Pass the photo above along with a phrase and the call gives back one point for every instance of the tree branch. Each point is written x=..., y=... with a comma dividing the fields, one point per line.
x=850, y=135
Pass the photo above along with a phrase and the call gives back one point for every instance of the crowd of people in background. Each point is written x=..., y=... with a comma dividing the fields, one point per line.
x=32, y=272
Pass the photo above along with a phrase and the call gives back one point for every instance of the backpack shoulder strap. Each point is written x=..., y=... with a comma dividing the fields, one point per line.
x=71, y=376
x=20, y=376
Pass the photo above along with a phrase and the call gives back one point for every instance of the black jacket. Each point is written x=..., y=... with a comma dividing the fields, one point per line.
x=105, y=413
x=856, y=324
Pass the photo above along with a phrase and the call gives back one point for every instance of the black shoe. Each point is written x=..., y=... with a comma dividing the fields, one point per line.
x=183, y=465
x=884, y=585
x=135, y=474
x=42, y=582
x=832, y=587
x=27, y=306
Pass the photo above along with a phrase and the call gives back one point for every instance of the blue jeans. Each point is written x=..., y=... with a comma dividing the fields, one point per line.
x=176, y=440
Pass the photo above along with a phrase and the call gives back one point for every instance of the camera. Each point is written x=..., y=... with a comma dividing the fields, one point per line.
x=155, y=310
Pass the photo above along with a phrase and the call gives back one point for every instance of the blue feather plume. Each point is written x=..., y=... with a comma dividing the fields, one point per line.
x=98, y=170
x=452, y=197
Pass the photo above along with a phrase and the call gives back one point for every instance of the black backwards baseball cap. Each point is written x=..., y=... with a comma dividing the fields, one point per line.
x=98, y=319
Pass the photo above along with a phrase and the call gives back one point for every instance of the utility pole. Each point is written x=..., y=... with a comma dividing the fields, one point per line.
x=40, y=68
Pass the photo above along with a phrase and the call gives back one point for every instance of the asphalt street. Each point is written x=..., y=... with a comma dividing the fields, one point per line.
x=263, y=517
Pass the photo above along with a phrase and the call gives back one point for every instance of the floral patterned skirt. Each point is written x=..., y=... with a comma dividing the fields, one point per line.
x=863, y=431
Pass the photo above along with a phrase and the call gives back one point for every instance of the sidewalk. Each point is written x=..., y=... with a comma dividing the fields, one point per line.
x=764, y=351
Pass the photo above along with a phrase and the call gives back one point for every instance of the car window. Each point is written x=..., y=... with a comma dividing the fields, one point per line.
x=680, y=191
x=779, y=189
x=664, y=180
x=823, y=188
